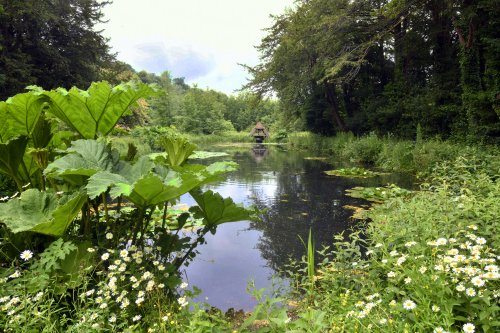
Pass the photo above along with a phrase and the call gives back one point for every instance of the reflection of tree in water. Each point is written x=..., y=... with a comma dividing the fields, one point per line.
x=304, y=199
x=297, y=196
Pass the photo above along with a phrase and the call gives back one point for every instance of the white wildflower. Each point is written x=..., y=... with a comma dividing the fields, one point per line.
x=26, y=255
x=409, y=305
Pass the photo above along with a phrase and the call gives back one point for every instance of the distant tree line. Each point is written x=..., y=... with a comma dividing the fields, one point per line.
x=200, y=111
x=386, y=66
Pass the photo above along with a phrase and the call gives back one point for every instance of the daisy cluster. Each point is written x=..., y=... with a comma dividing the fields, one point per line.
x=468, y=263
x=132, y=277
x=465, y=264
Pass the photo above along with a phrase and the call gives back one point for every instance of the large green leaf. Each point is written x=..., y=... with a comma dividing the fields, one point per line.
x=142, y=167
x=178, y=149
x=212, y=172
x=42, y=212
x=96, y=111
x=148, y=185
x=11, y=156
x=20, y=114
x=215, y=210
x=120, y=184
x=84, y=158
x=150, y=190
x=101, y=181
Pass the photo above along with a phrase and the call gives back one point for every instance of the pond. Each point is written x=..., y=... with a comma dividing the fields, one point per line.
x=295, y=195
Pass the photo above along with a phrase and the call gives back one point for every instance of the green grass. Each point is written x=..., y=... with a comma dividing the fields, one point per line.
x=387, y=153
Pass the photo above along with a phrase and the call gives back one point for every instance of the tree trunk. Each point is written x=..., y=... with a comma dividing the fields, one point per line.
x=470, y=70
x=331, y=98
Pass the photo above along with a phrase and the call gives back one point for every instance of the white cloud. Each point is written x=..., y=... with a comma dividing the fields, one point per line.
x=202, y=40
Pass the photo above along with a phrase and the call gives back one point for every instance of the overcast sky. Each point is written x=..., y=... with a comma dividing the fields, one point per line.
x=201, y=40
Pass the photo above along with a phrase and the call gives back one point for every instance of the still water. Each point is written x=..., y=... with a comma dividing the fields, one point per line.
x=295, y=195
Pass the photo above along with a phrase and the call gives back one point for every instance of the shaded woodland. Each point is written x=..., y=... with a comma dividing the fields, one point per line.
x=386, y=66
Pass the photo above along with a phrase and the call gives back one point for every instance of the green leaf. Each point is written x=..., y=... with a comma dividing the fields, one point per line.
x=96, y=111
x=142, y=167
x=63, y=215
x=84, y=158
x=101, y=181
x=122, y=183
x=151, y=190
x=41, y=212
x=20, y=115
x=74, y=264
x=215, y=210
x=11, y=156
x=178, y=149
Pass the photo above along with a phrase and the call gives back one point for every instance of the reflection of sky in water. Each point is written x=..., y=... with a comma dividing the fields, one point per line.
x=297, y=195
x=226, y=263
x=230, y=258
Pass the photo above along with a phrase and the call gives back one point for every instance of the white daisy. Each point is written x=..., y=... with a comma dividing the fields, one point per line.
x=26, y=255
x=409, y=305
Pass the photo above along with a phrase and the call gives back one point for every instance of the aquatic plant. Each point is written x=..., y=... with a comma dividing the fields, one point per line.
x=353, y=172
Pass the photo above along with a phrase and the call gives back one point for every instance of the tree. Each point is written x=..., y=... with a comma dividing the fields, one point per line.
x=385, y=66
x=50, y=43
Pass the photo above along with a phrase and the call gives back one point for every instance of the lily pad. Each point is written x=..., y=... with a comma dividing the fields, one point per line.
x=378, y=194
x=198, y=154
x=353, y=173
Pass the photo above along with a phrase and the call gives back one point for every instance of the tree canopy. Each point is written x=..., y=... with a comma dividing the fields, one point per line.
x=50, y=43
x=385, y=66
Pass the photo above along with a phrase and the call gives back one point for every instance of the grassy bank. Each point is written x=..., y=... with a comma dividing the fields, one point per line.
x=387, y=152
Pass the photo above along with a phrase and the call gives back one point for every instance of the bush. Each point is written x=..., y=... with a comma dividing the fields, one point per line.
x=364, y=150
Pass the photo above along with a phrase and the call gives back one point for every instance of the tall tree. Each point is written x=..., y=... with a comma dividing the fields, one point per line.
x=50, y=43
x=386, y=66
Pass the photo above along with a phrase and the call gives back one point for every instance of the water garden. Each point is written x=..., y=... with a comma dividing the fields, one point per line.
x=349, y=183
x=98, y=239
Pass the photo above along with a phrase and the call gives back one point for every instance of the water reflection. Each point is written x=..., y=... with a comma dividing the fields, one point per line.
x=259, y=152
x=295, y=196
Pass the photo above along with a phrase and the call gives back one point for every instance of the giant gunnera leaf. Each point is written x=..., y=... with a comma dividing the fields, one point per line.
x=146, y=184
x=20, y=114
x=42, y=212
x=215, y=210
x=95, y=112
x=84, y=158
x=11, y=156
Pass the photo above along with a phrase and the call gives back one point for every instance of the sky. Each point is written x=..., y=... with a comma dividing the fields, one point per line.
x=201, y=40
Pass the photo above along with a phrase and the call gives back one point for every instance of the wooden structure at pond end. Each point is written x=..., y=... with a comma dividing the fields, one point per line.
x=259, y=132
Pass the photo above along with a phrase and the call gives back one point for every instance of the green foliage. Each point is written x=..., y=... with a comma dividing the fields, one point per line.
x=12, y=153
x=178, y=149
x=42, y=212
x=84, y=158
x=387, y=153
x=425, y=262
x=378, y=194
x=215, y=210
x=51, y=44
x=95, y=112
x=79, y=199
x=387, y=67
x=353, y=172
x=21, y=114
